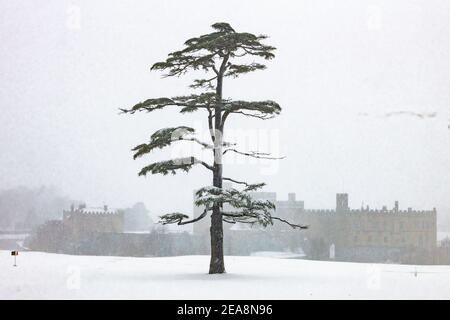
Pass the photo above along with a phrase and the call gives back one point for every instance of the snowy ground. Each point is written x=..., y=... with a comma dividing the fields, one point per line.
x=53, y=276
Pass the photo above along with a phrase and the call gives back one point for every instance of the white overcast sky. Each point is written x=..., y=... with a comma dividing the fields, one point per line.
x=67, y=66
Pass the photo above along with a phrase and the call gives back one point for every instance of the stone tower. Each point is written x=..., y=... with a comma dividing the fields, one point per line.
x=341, y=202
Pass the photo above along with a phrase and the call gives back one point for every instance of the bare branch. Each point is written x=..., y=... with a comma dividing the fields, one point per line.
x=204, y=144
x=236, y=215
x=210, y=124
x=213, y=67
x=234, y=222
x=235, y=181
x=410, y=113
x=254, y=154
x=206, y=165
x=294, y=226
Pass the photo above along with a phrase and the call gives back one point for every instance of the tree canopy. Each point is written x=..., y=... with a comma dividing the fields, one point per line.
x=223, y=53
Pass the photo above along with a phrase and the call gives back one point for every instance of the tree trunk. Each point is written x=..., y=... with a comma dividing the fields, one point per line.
x=217, y=264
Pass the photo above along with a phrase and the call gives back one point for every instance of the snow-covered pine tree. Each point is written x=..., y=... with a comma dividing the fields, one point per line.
x=217, y=54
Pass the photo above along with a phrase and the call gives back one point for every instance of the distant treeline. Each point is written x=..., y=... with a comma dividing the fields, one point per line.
x=23, y=208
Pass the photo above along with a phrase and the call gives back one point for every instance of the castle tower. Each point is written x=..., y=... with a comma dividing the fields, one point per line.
x=341, y=202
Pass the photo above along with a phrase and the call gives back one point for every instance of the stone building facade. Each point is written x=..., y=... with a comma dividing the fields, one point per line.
x=82, y=221
x=369, y=235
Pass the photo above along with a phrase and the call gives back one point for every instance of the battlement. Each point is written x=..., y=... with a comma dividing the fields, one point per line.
x=83, y=220
x=87, y=212
x=370, y=211
x=393, y=212
x=320, y=211
x=343, y=208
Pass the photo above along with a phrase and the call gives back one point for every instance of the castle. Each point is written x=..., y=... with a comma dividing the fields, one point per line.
x=80, y=221
x=383, y=235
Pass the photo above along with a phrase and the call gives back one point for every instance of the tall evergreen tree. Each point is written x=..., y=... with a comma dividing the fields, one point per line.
x=217, y=54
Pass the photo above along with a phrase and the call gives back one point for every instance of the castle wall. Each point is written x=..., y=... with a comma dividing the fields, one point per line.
x=79, y=222
x=390, y=229
x=362, y=234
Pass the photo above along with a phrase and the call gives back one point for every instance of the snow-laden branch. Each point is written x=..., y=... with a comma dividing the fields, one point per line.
x=235, y=70
x=249, y=186
x=189, y=103
x=170, y=166
x=247, y=209
x=179, y=218
x=164, y=137
x=257, y=109
x=201, y=53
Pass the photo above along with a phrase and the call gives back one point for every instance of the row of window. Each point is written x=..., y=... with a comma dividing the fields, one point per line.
x=421, y=240
x=377, y=225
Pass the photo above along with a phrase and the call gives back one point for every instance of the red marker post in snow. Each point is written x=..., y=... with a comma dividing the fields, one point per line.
x=15, y=254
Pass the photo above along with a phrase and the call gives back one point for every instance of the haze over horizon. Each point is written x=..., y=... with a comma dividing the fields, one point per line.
x=340, y=70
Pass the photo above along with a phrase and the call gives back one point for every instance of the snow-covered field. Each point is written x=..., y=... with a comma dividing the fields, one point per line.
x=53, y=276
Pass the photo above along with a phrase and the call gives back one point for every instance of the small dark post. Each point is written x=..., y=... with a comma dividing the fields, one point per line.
x=15, y=254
